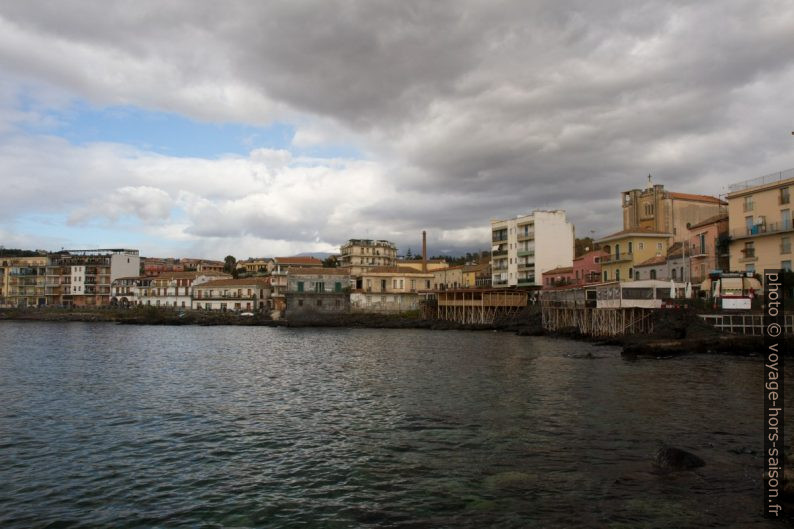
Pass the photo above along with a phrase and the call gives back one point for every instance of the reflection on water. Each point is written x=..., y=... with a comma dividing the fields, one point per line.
x=132, y=426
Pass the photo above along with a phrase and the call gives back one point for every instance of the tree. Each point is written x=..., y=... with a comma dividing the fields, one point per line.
x=582, y=246
x=330, y=262
x=409, y=254
x=229, y=265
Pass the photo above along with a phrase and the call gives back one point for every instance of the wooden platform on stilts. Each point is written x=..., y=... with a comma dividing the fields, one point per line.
x=473, y=305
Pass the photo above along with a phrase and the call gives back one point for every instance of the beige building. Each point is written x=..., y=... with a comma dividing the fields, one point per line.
x=22, y=281
x=759, y=223
x=174, y=289
x=83, y=278
x=656, y=209
x=363, y=254
x=389, y=289
x=446, y=278
x=418, y=264
x=239, y=295
x=627, y=249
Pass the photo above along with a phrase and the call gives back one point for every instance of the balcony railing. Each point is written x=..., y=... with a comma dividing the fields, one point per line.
x=617, y=258
x=526, y=236
x=762, y=229
x=784, y=199
x=499, y=253
x=526, y=253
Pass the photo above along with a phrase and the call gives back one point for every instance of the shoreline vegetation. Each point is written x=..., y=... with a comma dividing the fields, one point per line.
x=677, y=332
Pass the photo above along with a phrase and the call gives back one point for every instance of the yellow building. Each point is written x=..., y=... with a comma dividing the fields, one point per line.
x=417, y=264
x=628, y=248
x=759, y=223
x=391, y=289
x=360, y=255
x=22, y=281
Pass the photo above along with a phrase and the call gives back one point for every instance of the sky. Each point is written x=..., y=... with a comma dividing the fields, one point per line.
x=202, y=129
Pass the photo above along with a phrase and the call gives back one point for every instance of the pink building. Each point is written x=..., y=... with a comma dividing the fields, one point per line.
x=558, y=277
x=587, y=268
x=707, y=248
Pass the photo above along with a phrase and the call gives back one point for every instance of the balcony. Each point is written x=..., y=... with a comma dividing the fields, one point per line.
x=526, y=281
x=526, y=266
x=759, y=230
x=526, y=253
x=499, y=253
x=783, y=199
x=785, y=248
x=608, y=259
x=499, y=282
x=526, y=236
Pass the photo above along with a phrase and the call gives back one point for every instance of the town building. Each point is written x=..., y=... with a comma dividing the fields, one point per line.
x=174, y=289
x=558, y=277
x=526, y=246
x=22, y=281
x=317, y=291
x=154, y=266
x=656, y=209
x=708, y=247
x=83, y=278
x=446, y=278
x=363, y=254
x=124, y=290
x=239, y=295
x=389, y=289
x=477, y=275
x=202, y=265
x=759, y=223
x=278, y=268
x=254, y=266
x=587, y=267
x=628, y=248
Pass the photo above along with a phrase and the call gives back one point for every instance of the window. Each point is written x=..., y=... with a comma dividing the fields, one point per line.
x=748, y=203
x=338, y=287
x=300, y=302
x=617, y=275
x=653, y=274
x=641, y=246
x=630, y=247
x=750, y=268
x=785, y=245
x=673, y=272
x=606, y=275
x=300, y=286
x=702, y=241
x=319, y=303
x=784, y=195
x=659, y=246
x=319, y=286
x=749, y=250
x=785, y=219
x=785, y=265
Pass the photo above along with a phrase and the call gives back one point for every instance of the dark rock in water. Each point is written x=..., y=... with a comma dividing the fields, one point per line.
x=670, y=458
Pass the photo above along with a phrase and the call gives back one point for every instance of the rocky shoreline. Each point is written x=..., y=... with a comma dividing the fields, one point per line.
x=678, y=332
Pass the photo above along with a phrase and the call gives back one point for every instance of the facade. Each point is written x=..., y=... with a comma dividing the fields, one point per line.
x=659, y=210
x=708, y=246
x=278, y=268
x=174, y=289
x=124, y=291
x=252, y=267
x=626, y=249
x=22, y=281
x=477, y=276
x=316, y=291
x=759, y=223
x=205, y=266
x=83, y=278
x=239, y=295
x=154, y=266
x=558, y=277
x=363, y=254
x=447, y=278
x=389, y=289
x=587, y=267
x=525, y=247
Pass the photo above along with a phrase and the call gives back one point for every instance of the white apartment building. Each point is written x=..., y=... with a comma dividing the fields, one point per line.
x=526, y=246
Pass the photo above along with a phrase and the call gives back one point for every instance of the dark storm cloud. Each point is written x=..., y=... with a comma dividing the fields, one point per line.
x=484, y=109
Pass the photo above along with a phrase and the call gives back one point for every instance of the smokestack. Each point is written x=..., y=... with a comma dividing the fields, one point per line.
x=424, y=251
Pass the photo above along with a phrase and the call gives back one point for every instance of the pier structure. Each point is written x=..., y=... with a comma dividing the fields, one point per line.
x=606, y=309
x=473, y=305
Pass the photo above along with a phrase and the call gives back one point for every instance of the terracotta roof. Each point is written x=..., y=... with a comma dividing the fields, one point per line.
x=192, y=274
x=597, y=252
x=636, y=231
x=420, y=261
x=316, y=271
x=559, y=270
x=476, y=268
x=659, y=259
x=394, y=270
x=298, y=260
x=697, y=198
x=710, y=220
x=459, y=267
x=258, y=281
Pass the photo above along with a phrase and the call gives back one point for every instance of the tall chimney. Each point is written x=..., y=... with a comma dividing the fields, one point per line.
x=424, y=251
